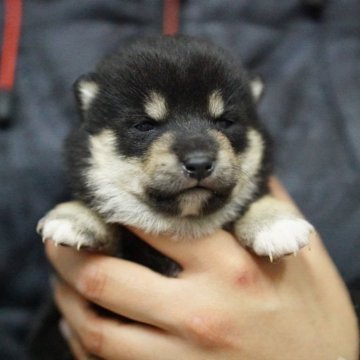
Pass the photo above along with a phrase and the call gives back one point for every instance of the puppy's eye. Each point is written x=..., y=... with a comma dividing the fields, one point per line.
x=223, y=123
x=146, y=125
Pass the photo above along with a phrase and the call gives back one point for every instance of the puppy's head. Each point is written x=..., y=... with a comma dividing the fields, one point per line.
x=172, y=135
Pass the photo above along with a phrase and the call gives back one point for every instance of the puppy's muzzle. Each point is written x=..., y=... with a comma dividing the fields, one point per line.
x=198, y=165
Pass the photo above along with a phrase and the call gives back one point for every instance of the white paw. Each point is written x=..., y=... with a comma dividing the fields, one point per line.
x=64, y=232
x=73, y=224
x=282, y=237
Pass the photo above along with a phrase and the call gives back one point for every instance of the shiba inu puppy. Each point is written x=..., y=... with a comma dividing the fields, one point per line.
x=170, y=142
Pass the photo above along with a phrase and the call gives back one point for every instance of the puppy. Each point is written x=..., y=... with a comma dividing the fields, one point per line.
x=170, y=142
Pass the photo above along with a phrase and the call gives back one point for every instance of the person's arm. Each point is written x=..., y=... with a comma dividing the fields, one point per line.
x=225, y=304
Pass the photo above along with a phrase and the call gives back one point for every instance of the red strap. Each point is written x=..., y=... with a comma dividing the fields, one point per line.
x=171, y=17
x=11, y=36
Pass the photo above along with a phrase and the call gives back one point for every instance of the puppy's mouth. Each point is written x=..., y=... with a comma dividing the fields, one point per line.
x=172, y=195
x=199, y=187
x=195, y=188
x=211, y=195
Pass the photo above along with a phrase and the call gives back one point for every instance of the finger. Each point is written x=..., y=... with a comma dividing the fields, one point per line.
x=195, y=254
x=179, y=250
x=73, y=341
x=117, y=284
x=112, y=339
x=185, y=252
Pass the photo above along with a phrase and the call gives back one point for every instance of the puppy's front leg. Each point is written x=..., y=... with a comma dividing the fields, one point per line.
x=273, y=228
x=74, y=224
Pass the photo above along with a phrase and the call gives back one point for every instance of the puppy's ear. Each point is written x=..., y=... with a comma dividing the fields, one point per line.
x=86, y=88
x=257, y=87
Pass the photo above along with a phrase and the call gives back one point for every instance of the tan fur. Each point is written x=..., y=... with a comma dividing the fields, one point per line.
x=191, y=204
x=87, y=91
x=226, y=161
x=155, y=106
x=257, y=88
x=108, y=167
x=216, y=104
x=260, y=211
x=244, y=166
x=273, y=228
x=160, y=157
x=73, y=223
x=250, y=160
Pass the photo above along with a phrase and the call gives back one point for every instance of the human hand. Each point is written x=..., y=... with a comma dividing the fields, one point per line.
x=225, y=304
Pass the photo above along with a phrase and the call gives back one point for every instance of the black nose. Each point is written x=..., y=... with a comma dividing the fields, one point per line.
x=198, y=166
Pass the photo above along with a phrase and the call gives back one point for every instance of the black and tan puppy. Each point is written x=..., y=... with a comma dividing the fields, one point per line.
x=170, y=142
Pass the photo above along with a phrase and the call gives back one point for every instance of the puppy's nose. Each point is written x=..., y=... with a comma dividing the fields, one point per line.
x=198, y=166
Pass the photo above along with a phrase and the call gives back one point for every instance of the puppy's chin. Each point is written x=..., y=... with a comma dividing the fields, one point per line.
x=195, y=201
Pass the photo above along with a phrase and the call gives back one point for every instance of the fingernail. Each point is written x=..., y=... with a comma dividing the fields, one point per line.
x=64, y=329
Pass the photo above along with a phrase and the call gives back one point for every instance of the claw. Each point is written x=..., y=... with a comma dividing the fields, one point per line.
x=78, y=246
x=40, y=226
x=39, y=229
x=295, y=253
x=271, y=258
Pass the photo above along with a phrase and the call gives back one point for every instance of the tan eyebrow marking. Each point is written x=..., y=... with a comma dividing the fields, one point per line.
x=216, y=104
x=155, y=106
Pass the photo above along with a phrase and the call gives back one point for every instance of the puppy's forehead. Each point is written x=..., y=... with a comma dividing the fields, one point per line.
x=156, y=105
x=193, y=85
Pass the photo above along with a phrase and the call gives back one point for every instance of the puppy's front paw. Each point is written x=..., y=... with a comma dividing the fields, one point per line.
x=65, y=232
x=273, y=228
x=275, y=236
x=74, y=225
x=282, y=237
